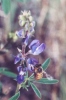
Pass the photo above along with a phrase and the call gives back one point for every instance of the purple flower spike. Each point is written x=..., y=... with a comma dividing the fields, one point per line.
x=20, y=79
x=39, y=49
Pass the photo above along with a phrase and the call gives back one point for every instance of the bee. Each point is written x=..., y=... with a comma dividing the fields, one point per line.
x=38, y=72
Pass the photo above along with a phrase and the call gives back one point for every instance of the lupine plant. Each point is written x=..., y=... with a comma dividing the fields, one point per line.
x=30, y=71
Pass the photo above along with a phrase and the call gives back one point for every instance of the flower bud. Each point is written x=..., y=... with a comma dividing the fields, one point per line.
x=29, y=13
x=30, y=18
x=25, y=14
x=22, y=23
x=21, y=17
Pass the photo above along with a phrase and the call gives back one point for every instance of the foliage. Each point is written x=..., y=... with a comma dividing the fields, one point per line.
x=36, y=90
x=47, y=81
x=6, y=4
x=46, y=64
x=31, y=82
x=15, y=97
x=6, y=72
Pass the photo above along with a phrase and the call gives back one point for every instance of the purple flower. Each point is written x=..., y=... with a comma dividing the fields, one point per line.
x=26, y=40
x=25, y=69
x=19, y=68
x=21, y=73
x=39, y=49
x=30, y=67
x=18, y=58
x=20, y=78
x=36, y=48
x=33, y=43
x=22, y=68
x=31, y=63
x=32, y=30
x=20, y=33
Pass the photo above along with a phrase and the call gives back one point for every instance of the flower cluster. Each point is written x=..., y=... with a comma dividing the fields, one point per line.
x=35, y=47
x=27, y=24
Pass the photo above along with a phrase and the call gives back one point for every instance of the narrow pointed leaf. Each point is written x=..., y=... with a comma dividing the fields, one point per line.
x=3, y=69
x=37, y=92
x=47, y=81
x=0, y=87
x=6, y=5
x=15, y=97
x=23, y=0
x=9, y=74
x=32, y=76
x=29, y=83
x=26, y=76
x=26, y=88
x=20, y=0
x=46, y=64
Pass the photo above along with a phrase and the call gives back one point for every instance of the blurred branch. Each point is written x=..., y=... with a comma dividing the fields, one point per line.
x=43, y=13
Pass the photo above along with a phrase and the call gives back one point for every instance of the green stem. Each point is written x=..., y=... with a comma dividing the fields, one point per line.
x=17, y=88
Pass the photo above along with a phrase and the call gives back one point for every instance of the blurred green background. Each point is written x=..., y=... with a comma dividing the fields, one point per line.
x=50, y=17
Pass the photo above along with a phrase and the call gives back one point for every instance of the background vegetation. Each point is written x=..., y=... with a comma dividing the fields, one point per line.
x=50, y=17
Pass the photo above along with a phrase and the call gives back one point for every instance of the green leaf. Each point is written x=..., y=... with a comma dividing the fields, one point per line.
x=46, y=64
x=26, y=88
x=22, y=0
x=29, y=83
x=32, y=76
x=15, y=97
x=3, y=69
x=0, y=87
x=9, y=74
x=6, y=5
x=47, y=81
x=36, y=90
x=26, y=76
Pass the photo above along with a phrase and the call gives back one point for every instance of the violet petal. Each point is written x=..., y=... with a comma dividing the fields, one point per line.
x=32, y=61
x=20, y=33
x=30, y=67
x=17, y=58
x=20, y=79
x=26, y=40
x=19, y=68
x=39, y=49
x=34, y=42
